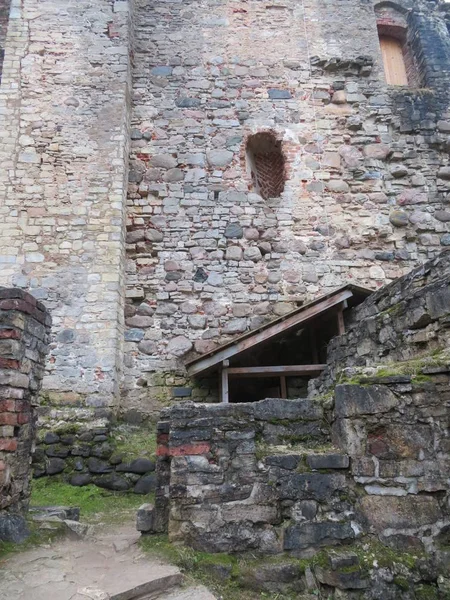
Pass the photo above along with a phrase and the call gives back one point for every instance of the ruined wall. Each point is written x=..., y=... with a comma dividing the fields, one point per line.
x=401, y=329
x=64, y=102
x=366, y=167
x=24, y=337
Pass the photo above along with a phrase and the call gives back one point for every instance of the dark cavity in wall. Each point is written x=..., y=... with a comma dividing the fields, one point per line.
x=4, y=16
x=266, y=164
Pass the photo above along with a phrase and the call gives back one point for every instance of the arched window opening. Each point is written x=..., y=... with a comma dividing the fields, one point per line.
x=399, y=62
x=266, y=164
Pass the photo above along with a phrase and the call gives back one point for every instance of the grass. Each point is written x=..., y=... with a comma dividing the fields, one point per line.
x=95, y=503
x=134, y=442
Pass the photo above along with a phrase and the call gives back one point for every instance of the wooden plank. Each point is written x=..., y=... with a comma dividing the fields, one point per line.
x=278, y=370
x=283, y=387
x=224, y=379
x=265, y=335
x=393, y=61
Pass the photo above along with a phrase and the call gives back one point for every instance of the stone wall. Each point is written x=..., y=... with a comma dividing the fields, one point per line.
x=366, y=167
x=24, y=336
x=64, y=101
x=402, y=328
x=91, y=455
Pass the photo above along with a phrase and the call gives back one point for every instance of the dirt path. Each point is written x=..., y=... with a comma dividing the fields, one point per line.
x=107, y=565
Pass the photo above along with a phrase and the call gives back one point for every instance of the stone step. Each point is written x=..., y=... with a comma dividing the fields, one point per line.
x=134, y=585
x=191, y=593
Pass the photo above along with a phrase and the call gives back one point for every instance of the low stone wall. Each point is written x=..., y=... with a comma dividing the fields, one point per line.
x=24, y=335
x=84, y=456
x=265, y=476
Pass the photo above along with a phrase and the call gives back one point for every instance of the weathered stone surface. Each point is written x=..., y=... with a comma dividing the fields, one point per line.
x=219, y=158
x=145, y=484
x=112, y=482
x=306, y=535
x=408, y=512
x=354, y=400
x=145, y=518
x=13, y=528
x=328, y=461
x=139, y=466
x=354, y=580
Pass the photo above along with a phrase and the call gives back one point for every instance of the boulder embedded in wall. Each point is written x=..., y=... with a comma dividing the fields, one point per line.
x=355, y=400
x=406, y=512
x=179, y=346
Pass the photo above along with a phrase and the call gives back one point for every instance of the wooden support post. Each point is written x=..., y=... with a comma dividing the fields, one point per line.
x=283, y=386
x=224, y=386
x=313, y=342
x=340, y=319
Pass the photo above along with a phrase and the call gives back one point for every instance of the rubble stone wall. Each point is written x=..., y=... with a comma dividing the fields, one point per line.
x=366, y=166
x=24, y=337
x=64, y=104
x=402, y=328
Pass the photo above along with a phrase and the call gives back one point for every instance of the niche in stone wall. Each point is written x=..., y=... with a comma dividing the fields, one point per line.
x=266, y=164
x=399, y=61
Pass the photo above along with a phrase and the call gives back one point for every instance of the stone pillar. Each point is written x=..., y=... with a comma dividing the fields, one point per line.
x=24, y=335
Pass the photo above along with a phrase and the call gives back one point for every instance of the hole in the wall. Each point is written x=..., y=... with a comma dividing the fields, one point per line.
x=266, y=164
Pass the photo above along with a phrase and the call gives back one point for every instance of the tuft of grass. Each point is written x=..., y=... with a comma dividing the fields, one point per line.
x=95, y=503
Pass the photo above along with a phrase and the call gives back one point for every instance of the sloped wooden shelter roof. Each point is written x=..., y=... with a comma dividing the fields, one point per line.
x=347, y=295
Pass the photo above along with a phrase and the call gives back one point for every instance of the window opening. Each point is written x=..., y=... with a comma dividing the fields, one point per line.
x=266, y=164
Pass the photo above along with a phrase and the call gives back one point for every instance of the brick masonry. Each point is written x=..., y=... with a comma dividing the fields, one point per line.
x=24, y=336
x=165, y=95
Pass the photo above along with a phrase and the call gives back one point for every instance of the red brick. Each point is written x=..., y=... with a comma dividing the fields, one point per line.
x=186, y=449
x=8, y=445
x=9, y=363
x=9, y=334
x=23, y=418
x=8, y=406
x=8, y=419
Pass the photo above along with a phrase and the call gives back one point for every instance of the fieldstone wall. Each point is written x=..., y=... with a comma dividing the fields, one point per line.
x=366, y=169
x=64, y=101
x=90, y=456
x=24, y=337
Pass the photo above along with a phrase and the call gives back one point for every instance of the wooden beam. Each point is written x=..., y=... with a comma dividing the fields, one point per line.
x=268, y=333
x=224, y=387
x=340, y=320
x=283, y=387
x=278, y=370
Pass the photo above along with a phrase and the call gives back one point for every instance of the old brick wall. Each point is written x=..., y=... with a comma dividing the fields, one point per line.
x=366, y=165
x=24, y=337
x=64, y=102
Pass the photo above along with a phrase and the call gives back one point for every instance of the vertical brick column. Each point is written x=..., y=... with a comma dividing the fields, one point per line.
x=24, y=335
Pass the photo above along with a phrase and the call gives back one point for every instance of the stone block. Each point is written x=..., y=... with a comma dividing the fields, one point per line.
x=310, y=486
x=356, y=400
x=13, y=528
x=353, y=580
x=145, y=518
x=328, y=461
x=406, y=512
x=305, y=535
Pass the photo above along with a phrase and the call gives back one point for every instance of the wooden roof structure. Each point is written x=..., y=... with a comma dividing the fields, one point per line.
x=346, y=296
